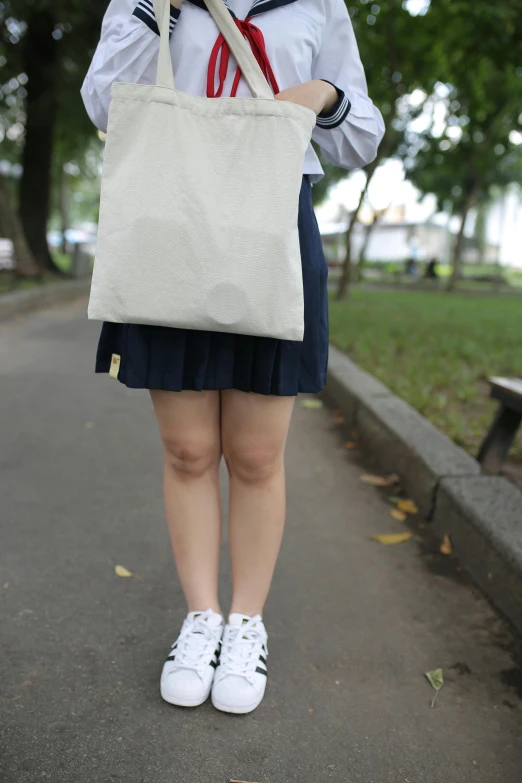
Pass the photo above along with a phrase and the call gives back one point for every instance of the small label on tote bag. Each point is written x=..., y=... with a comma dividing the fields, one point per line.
x=115, y=366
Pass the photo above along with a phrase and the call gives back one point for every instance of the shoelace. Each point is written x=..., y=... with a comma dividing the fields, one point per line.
x=221, y=52
x=193, y=644
x=241, y=649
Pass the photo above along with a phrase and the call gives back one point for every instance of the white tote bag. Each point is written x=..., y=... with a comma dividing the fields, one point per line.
x=199, y=203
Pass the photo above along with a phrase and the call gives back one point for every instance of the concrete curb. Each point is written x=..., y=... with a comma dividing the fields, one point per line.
x=482, y=514
x=18, y=302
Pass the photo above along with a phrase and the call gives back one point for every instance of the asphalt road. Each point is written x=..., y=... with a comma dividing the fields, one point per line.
x=353, y=625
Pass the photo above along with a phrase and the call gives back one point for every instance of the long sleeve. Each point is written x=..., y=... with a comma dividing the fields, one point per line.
x=350, y=133
x=127, y=52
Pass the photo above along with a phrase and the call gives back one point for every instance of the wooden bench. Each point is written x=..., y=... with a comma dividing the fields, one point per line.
x=501, y=434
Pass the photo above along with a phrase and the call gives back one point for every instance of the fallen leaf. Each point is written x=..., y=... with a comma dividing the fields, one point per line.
x=89, y=425
x=446, y=546
x=393, y=538
x=120, y=570
x=5, y=585
x=379, y=481
x=396, y=514
x=337, y=417
x=408, y=506
x=351, y=444
x=30, y=678
x=436, y=680
x=311, y=402
x=393, y=499
x=310, y=712
x=459, y=569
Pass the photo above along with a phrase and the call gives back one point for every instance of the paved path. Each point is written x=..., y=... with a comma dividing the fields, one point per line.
x=353, y=624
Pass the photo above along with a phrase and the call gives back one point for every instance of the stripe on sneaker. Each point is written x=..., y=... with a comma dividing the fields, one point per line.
x=262, y=671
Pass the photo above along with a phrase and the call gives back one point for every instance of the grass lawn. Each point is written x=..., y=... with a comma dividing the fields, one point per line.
x=435, y=350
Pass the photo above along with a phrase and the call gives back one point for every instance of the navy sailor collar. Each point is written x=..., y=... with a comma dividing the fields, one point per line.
x=259, y=7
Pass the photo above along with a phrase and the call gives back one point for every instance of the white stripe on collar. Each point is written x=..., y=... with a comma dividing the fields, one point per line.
x=259, y=7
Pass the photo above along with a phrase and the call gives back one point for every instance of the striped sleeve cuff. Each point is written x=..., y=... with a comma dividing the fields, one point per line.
x=145, y=12
x=337, y=114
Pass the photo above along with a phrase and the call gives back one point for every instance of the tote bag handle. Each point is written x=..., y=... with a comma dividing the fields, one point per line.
x=243, y=55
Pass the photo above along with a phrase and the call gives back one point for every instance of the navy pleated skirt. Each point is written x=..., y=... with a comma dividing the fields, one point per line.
x=156, y=357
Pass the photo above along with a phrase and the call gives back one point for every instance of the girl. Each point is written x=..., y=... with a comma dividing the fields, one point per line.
x=232, y=395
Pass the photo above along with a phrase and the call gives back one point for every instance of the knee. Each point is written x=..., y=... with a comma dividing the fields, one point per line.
x=254, y=465
x=190, y=459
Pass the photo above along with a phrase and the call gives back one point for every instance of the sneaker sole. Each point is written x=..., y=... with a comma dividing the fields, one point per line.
x=184, y=702
x=241, y=710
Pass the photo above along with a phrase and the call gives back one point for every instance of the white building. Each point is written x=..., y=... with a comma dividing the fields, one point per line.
x=398, y=240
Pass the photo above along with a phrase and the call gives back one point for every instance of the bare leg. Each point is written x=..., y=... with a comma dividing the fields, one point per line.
x=254, y=433
x=189, y=428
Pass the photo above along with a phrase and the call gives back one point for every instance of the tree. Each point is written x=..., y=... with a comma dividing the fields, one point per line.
x=40, y=64
x=464, y=176
x=368, y=231
x=45, y=48
x=395, y=50
x=481, y=218
x=11, y=228
x=480, y=91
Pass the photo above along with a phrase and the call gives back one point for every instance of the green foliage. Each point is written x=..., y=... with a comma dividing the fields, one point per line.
x=476, y=46
x=470, y=48
x=435, y=351
x=76, y=31
x=394, y=48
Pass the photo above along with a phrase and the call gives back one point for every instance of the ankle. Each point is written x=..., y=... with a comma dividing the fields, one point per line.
x=204, y=606
x=249, y=610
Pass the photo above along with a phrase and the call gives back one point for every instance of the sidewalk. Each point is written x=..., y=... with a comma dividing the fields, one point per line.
x=353, y=624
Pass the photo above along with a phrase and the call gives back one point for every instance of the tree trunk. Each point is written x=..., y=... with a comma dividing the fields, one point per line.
x=457, y=253
x=40, y=65
x=11, y=227
x=346, y=271
x=63, y=202
x=480, y=231
x=364, y=249
x=502, y=221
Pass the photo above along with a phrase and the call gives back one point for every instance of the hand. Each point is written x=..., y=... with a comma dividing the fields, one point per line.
x=315, y=95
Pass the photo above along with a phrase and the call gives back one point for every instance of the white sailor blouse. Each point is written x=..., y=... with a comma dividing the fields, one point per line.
x=293, y=40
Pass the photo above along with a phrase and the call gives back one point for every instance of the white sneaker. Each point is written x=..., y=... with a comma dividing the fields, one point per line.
x=188, y=672
x=240, y=681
